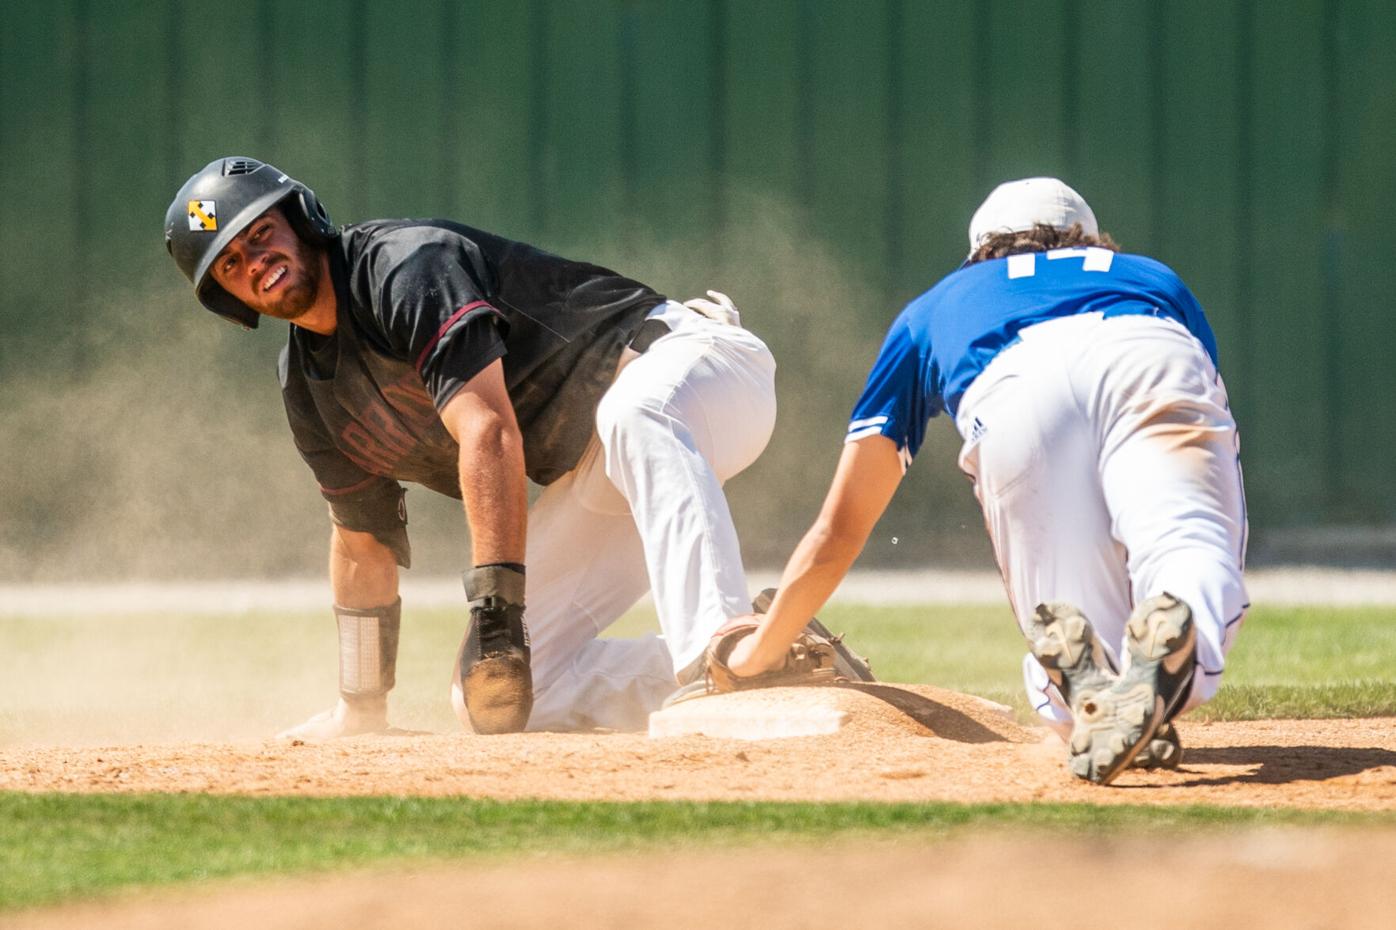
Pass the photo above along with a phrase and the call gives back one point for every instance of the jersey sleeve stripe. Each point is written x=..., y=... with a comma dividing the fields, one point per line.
x=867, y=430
x=855, y=434
x=451, y=321
x=903, y=452
x=866, y=421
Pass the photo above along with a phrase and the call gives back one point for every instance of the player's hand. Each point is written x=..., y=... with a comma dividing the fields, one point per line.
x=747, y=657
x=344, y=719
x=719, y=308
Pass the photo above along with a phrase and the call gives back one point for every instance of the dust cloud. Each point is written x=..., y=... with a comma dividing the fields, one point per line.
x=158, y=448
x=172, y=677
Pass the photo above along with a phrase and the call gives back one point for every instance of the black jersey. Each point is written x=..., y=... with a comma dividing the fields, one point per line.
x=424, y=306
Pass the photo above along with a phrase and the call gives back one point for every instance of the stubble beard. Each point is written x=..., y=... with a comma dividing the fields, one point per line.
x=299, y=296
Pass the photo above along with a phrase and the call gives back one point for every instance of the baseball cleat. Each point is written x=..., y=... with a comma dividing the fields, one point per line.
x=847, y=663
x=492, y=689
x=1164, y=751
x=1065, y=645
x=1114, y=725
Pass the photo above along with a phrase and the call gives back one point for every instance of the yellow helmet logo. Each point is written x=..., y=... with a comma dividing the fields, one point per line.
x=203, y=215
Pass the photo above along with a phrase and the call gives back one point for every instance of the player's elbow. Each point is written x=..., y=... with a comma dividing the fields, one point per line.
x=489, y=434
x=481, y=415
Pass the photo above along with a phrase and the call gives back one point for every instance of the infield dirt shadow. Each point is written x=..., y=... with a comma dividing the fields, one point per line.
x=944, y=722
x=1282, y=765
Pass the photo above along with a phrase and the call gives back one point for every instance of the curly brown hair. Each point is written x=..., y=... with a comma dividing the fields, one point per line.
x=1039, y=239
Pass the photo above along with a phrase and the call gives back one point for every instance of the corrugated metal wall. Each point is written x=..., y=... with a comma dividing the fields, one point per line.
x=1248, y=144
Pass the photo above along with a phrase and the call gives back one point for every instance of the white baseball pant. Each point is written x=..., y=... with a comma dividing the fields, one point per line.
x=644, y=510
x=1106, y=461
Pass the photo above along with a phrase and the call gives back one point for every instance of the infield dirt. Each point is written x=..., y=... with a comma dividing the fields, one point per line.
x=911, y=743
x=918, y=744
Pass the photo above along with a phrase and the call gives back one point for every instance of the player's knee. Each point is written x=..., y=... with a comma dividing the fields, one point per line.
x=621, y=419
x=1213, y=588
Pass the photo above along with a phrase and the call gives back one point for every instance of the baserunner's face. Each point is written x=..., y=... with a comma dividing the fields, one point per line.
x=269, y=268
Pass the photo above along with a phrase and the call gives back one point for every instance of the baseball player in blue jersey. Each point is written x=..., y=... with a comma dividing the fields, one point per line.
x=1104, y=455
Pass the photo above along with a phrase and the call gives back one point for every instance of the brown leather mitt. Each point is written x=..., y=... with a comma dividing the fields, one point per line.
x=810, y=661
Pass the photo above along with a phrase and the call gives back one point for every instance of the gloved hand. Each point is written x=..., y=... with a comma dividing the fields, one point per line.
x=809, y=661
x=492, y=684
x=719, y=308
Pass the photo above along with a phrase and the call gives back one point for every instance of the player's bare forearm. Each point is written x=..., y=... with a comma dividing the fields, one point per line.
x=363, y=571
x=814, y=571
x=493, y=486
x=495, y=492
x=868, y=474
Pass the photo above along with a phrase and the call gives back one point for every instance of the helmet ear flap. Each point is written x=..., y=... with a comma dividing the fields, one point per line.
x=314, y=219
x=212, y=296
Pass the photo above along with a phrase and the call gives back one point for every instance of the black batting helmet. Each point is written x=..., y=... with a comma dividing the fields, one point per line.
x=219, y=202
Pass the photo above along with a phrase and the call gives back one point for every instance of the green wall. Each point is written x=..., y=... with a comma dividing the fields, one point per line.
x=818, y=159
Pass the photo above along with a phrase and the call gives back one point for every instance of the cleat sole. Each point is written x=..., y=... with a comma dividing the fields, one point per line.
x=1161, y=641
x=498, y=693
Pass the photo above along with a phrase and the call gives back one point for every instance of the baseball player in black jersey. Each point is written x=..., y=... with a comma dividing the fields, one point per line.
x=430, y=352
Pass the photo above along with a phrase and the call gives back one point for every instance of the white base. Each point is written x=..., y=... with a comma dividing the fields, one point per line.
x=747, y=716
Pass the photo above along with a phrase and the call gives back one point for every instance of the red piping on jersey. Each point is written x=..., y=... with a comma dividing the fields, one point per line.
x=447, y=325
x=352, y=488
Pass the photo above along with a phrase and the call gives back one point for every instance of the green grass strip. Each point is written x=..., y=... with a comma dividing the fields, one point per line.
x=59, y=847
x=1300, y=702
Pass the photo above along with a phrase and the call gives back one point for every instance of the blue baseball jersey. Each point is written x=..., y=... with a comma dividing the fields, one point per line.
x=943, y=339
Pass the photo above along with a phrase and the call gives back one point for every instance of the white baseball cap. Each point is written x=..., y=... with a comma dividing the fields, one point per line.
x=1017, y=206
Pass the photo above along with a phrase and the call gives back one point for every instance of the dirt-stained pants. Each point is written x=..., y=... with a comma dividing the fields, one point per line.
x=1106, y=461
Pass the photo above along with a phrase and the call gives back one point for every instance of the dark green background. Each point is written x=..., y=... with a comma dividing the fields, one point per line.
x=817, y=160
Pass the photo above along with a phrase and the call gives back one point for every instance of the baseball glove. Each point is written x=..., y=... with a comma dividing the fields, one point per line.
x=810, y=661
x=848, y=664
